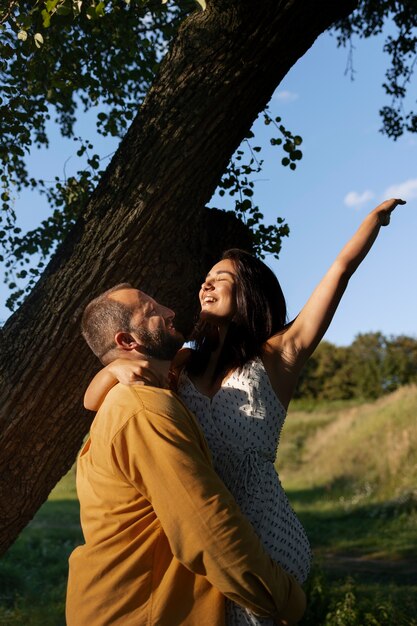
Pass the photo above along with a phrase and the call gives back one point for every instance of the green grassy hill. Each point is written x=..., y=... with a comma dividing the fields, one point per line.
x=350, y=471
x=368, y=448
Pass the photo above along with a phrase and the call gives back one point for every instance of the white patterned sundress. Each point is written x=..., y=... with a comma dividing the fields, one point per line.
x=242, y=424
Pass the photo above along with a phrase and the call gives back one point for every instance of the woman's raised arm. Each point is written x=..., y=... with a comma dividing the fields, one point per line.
x=301, y=338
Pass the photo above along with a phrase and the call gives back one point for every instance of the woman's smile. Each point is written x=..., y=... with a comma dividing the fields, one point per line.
x=217, y=294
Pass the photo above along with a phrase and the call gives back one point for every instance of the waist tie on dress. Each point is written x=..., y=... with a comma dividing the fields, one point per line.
x=249, y=465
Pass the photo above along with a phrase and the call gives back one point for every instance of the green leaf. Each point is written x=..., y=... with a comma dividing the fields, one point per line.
x=100, y=9
x=91, y=13
x=46, y=18
x=63, y=10
x=7, y=52
x=202, y=3
x=245, y=205
x=25, y=21
x=51, y=5
x=76, y=7
x=38, y=39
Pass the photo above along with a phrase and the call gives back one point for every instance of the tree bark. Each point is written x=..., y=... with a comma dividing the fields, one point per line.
x=144, y=223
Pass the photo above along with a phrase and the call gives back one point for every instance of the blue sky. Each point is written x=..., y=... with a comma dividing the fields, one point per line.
x=348, y=167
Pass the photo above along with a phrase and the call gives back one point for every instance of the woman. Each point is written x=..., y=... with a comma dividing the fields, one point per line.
x=240, y=378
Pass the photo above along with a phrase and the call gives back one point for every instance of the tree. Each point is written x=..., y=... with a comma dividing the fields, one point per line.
x=400, y=366
x=59, y=55
x=328, y=374
x=368, y=355
x=401, y=45
x=220, y=72
x=370, y=367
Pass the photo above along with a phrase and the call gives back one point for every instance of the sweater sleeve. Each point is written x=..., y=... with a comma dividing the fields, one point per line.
x=162, y=452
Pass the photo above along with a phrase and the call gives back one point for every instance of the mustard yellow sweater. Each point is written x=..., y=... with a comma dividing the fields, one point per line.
x=164, y=539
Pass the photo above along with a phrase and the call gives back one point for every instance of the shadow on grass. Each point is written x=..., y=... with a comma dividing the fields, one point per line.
x=374, y=541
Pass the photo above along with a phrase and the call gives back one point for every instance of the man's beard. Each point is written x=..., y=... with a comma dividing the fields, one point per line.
x=160, y=344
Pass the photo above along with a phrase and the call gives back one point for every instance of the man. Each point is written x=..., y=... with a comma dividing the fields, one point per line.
x=164, y=539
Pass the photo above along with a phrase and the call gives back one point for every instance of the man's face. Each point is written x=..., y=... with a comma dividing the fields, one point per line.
x=152, y=324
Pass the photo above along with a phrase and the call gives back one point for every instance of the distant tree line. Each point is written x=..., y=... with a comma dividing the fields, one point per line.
x=370, y=367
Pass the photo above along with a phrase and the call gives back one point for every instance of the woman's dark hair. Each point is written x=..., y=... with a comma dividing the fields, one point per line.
x=260, y=313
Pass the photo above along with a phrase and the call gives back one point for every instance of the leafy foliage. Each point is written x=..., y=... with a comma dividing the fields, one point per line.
x=60, y=55
x=238, y=182
x=370, y=367
x=53, y=64
x=371, y=18
x=340, y=604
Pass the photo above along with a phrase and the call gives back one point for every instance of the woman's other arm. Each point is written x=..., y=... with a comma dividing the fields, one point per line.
x=299, y=341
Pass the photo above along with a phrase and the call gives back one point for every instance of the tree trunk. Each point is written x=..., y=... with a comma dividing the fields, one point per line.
x=144, y=223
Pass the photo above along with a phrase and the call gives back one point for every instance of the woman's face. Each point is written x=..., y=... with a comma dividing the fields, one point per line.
x=218, y=293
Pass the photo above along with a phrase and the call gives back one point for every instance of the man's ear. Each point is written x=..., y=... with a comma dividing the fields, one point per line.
x=125, y=341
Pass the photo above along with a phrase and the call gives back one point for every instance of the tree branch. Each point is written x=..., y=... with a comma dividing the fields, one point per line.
x=4, y=16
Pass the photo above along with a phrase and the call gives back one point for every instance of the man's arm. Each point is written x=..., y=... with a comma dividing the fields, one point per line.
x=162, y=451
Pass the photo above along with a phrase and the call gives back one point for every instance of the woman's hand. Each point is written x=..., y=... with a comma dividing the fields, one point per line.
x=128, y=372
x=138, y=372
x=384, y=210
x=291, y=349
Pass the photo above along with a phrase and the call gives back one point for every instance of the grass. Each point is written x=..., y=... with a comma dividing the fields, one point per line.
x=368, y=449
x=350, y=471
x=33, y=573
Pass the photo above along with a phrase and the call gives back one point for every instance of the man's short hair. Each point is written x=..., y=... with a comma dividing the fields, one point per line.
x=103, y=317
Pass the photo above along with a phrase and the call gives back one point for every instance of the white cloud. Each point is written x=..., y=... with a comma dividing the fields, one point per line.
x=285, y=96
x=406, y=190
x=355, y=200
